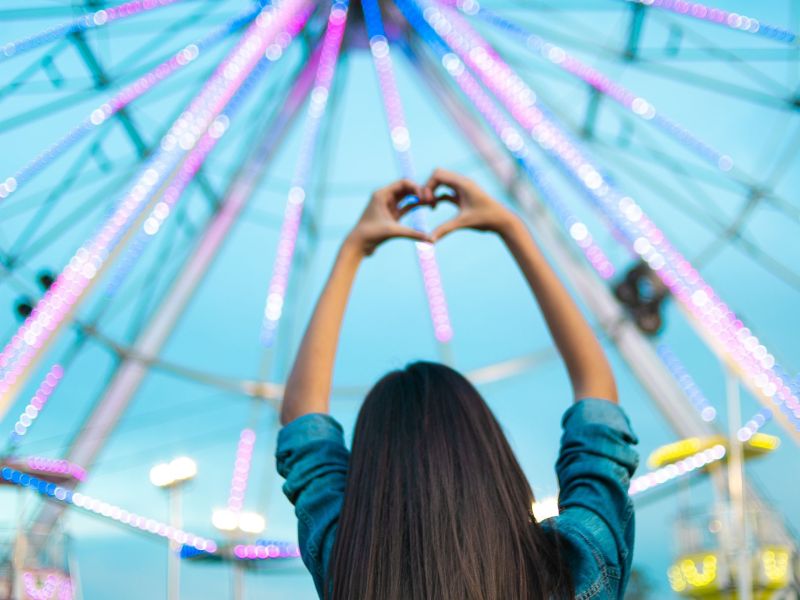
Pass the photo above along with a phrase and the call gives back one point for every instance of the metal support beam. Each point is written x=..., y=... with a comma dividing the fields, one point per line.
x=634, y=31
x=595, y=97
x=632, y=345
x=130, y=372
x=101, y=81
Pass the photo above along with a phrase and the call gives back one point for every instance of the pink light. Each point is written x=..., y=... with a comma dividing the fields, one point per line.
x=265, y=552
x=401, y=143
x=135, y=521
x=57, y=466
x=514, y=142
x=35, y=406
x=670, y=472
x=91, y=20
x=287, y=239
x=47, y=585
x=718, y=16
x=194, y=128
x=637, y=105
x=241, y=469
x=716, y=319
x=99, y=116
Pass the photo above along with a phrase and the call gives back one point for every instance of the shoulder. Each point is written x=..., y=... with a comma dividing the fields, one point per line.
x=593, y=577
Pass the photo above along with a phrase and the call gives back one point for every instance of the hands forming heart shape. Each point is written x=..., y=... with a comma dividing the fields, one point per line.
x=381, y=219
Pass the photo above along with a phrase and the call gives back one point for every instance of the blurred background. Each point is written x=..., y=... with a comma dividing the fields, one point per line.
x=177, y=176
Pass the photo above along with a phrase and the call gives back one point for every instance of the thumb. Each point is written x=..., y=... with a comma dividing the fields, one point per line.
x=446, y=228
x=411, y=233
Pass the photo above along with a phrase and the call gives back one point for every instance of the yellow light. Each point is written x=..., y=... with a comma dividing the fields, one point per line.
x=671, y=453
x=775, y=561
x=686, y=574
x=763, y=441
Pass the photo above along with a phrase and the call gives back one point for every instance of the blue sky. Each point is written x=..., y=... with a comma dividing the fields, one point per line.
x=493, y=315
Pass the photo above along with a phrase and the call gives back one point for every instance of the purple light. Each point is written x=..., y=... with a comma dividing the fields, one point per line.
x=754, y=424
x=36, y=405
x=266, y=551
x=514, y=142
x=56, y=466
x=718, y=16
x=401, y=144
x=241, y=469
x=47, y=585
x=639, y=106
x=287, y=239
x=707, y=412
x=195, y=128
x=92, y=20
x=670, y=472
x=110, y=107
x=115, y=513
x=718, y=323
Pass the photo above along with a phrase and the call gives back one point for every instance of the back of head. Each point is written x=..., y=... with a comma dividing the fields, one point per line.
x=436, y=505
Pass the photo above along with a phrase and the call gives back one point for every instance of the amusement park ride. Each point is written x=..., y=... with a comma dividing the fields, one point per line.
x=741, y=548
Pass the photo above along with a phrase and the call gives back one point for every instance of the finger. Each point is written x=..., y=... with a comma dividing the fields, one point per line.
x=446, y=198
x=400, y=189
x=407, y=207
x=444, y=177
x=401, y=231
x=446, y=228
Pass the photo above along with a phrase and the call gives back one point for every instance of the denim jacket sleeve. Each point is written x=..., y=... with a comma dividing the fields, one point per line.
x=596, y=518
x=312, y=458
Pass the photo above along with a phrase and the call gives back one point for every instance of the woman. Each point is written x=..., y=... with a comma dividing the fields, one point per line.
x=431, y=502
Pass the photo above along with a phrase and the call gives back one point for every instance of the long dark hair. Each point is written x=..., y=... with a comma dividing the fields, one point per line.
x=436, y=505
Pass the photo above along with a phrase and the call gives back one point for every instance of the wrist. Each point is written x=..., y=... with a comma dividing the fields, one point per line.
x=353, y=246
x=509, y=226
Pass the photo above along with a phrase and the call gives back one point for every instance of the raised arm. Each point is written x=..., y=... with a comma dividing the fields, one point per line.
x=309, y=385
x=588, y=368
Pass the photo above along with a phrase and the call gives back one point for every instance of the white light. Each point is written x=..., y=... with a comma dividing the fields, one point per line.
x=545, y=508
x=224, y=519
x=183, y=468
x=251, y=522
x=180, y=469
x=161, y=475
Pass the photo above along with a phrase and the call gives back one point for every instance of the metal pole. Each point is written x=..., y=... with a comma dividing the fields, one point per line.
x=637, y=351
x=173, y=549
x=738, y=515
x=131, y=371
x=238, y=580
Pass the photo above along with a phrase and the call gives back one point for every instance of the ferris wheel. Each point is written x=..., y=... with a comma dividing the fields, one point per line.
x=179, y=111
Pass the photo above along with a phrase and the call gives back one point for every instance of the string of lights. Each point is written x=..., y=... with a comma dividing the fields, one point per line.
x=726, y=333
x=634, y=103
x=49, y=586
x=680, y=468
x=718, y=16
x=92, y=20
x=103, y=112
x=401, y=144
x=514, y=142
x=93, y=505
x=266, y=550
x=197, y=156
x=46, y=388
x=689, y=386
x=57, y=466
x=293, y=213
x=241, y=469
x=72, y=284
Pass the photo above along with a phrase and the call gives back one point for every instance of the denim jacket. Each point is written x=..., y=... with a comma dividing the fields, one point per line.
x=594, y=467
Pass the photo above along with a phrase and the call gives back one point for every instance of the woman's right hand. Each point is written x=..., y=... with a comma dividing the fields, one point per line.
x=477, y=209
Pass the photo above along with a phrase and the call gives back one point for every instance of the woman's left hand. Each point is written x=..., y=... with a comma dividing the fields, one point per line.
x=381, y=219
